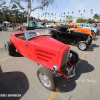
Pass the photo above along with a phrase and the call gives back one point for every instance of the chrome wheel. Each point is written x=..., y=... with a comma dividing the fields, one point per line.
x=82, y=46
x=44, y=79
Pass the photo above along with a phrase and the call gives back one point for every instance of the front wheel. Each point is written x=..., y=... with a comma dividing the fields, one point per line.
x=82, y=46
x=73, y=57
x=46, y=77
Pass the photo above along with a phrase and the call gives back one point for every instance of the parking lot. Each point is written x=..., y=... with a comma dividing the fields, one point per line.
x=18, y=75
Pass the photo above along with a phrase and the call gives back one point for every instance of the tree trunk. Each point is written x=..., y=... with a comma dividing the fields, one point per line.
x=28, y=18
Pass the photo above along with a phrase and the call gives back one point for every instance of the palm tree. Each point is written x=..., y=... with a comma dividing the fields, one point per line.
x=48, y=15
x=55, y=16
x=68, y=17
x=72, y=13
x=68, y=13
x=79, y=13
x=64, y=16
x=45, y=15
x=61, y=16
x=38, y=17
x=91, y=12
x=83, y=12
x=52, y=16
x=29, y=8
x=72, y=16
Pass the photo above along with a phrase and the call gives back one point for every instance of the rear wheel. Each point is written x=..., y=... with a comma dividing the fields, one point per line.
x=73, y=57
x=10, y=49
x=46, y=77
x=82, y=46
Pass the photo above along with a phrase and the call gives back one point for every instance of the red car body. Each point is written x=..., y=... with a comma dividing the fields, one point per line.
x=51, y=54
x=43, y=49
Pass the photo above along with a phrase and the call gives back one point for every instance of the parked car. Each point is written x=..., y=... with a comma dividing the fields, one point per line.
x=64, y=35
x=40, y=25
x=51, y=54
x=84, y=30
x=74, y=25
x=98, y=26
x=1, y=27
x=90, y=26
x=26, y=26
x=32, y=24
x=46, y=25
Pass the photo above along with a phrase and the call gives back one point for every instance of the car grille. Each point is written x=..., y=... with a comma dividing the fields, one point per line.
x=64, y=59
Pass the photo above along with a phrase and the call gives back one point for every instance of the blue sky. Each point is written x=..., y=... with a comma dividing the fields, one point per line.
x=69, y=6
x=73, y=5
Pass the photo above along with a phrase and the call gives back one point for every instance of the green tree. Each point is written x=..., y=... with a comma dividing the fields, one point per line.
x=96, y=16
x=29, y=5
x=14, y=13
x=82, y=20
x=79, y=20
x=2, y=3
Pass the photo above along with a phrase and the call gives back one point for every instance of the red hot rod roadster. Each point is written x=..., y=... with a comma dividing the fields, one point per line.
x=53, y=55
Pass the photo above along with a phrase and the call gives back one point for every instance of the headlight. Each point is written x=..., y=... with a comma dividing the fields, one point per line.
x=55, y=67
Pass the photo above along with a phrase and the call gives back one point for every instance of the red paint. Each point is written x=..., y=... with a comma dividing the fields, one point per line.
x=41, y=49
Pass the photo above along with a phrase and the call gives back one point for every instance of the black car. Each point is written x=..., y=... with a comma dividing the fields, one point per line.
x=62, y=34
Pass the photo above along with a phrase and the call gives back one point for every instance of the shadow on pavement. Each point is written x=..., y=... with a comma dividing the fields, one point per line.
x=13, y=83
x=93, y=47
x=70, y=84
x=18, y=55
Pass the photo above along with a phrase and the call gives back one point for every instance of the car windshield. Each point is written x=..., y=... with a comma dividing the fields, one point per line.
x=33, y=33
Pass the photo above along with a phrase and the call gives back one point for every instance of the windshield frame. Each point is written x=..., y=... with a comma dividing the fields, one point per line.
x=36, y=32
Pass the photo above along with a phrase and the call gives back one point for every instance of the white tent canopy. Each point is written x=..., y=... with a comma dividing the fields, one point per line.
x=6, y=22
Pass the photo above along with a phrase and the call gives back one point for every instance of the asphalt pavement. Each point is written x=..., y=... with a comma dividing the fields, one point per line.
x=18, y=76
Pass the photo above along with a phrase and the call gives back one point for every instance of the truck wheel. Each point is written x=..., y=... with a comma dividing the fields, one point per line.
x=46, y=77
x=74, y=57
x=82, y=46
x=10, y=49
